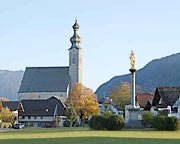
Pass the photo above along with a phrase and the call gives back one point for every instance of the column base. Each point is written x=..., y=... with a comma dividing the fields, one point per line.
x=133, y=121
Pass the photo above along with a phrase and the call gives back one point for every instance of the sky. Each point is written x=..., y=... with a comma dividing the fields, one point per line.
x=37, y=33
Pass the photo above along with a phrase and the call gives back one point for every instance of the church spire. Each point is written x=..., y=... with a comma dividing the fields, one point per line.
x=75, y=57
x=75, y=39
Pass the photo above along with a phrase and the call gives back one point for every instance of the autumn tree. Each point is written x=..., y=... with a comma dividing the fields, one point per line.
x=71, y=115
x=121, y=95
x=83, y=100
x=6, y=115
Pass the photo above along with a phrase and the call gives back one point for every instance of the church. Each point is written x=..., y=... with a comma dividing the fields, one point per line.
x=45, y=82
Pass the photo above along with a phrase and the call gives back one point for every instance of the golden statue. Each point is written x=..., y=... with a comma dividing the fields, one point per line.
x=132, y=60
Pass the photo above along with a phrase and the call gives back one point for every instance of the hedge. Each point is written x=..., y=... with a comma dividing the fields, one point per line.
x=111, y=122
x=97, y=122
x=114, y=122
x=162, y=122
x=147, y=119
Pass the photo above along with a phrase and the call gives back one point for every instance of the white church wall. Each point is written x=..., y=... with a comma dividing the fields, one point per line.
x=41, y=95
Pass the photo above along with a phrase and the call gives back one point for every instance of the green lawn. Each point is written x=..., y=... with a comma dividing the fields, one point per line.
x=86, y=136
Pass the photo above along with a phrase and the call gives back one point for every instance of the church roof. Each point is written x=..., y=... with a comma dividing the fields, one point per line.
x=45, y=79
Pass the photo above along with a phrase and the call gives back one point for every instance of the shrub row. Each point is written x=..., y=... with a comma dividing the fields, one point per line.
x=111, y=122
x=160, y=122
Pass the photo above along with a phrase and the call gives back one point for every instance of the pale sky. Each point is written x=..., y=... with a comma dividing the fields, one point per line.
x=37, y=33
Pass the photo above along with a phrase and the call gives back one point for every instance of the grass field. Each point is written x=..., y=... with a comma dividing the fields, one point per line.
x=86, y=136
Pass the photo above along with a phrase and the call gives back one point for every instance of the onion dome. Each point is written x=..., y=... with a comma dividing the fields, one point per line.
x=75, y=39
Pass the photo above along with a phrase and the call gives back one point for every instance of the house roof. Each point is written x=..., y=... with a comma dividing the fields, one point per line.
x=42, y=107
x=45, y=79
x=105, y=100
x=4, y=99
x=144, y=98
x=166, y=95
x=12, y=105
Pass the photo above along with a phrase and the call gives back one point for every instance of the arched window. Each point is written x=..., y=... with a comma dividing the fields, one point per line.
x=73, y=61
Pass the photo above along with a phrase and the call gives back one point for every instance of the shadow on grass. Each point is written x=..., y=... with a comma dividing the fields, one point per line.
x=45, y=130
x=91, y=140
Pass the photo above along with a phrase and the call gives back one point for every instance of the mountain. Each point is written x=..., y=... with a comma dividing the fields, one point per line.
x=159, y=72
x=9, y=83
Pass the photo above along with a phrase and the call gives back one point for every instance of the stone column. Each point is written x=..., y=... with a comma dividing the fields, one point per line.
x=133, y=87
x=133, y=111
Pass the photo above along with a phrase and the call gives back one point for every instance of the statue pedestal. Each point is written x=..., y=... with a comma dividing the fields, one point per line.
x=133, y=121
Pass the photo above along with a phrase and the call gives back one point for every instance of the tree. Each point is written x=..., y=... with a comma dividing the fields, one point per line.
x=121, y=95
x=6, y=115
x=83, y=100
x=71, y=115
x=147, y=119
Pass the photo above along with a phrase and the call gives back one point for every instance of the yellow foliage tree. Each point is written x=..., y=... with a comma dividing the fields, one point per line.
x=83, y=100
x=121, y=95
x=6, y=115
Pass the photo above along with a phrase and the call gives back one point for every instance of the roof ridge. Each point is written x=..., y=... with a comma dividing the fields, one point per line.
x=47, y=67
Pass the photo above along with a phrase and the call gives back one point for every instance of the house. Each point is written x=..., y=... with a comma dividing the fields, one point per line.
x=11, y=105
x=144, y=100
x=4, y=99
x=106, y=104
x=43, y=82
x=41, y=113
x=167, y=98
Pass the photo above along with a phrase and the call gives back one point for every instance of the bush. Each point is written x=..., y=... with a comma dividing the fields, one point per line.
x=162, y=122
x=172, y=123
x=159, y=122
x=4, y=126
x=109, y=122
x=10, y=126
x=97, y=122
x=147, y=119
x=107, y=114
x=114, y=122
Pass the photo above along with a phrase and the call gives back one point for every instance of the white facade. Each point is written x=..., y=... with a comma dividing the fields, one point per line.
x=41, y=95
x=37, y=121
x=75, y=66
x=37, y=118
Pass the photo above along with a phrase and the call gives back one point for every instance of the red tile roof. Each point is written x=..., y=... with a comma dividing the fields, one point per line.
x=143, y=99
x=4, y=99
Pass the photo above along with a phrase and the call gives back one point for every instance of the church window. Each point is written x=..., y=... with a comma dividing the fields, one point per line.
x=73, y=60
x=29, y=117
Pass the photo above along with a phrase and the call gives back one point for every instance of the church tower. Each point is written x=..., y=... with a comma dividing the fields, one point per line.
x=75, y=57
